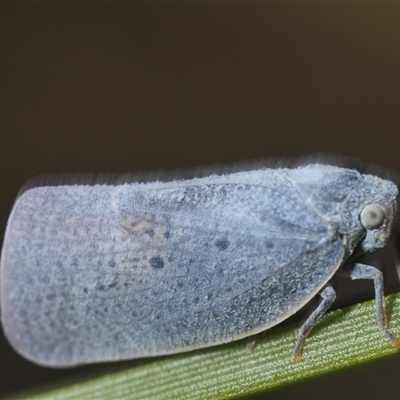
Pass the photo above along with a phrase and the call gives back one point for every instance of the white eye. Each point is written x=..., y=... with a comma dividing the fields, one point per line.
x=372, y=216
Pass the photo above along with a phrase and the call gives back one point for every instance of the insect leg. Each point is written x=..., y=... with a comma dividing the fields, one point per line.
x=251, y=343
x=362, y=271
x=328, y=295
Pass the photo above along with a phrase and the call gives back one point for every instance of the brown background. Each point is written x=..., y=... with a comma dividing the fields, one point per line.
x=139, y=86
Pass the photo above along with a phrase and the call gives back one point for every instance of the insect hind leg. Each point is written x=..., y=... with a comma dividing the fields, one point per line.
x=328, y=295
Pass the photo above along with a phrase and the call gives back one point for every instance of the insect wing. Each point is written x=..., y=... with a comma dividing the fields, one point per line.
x=97, y=273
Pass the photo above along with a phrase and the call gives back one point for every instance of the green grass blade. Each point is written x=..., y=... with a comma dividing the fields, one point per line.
x=344, y=338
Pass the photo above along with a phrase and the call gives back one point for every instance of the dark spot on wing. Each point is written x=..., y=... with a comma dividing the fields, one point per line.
x=111, y=263
x=167, y=234
x=269, y=245
x=112, y=285
x=157, y=262
x=222, y=244
x=265, y=282
x=150, y=232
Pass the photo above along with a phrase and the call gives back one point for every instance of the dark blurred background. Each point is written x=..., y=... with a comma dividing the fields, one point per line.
x=116, y=87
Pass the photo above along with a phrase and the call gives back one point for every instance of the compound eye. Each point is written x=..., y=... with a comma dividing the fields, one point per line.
x=372, y=216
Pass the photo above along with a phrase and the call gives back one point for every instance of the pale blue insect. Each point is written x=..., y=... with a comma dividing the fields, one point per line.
x=110, y=272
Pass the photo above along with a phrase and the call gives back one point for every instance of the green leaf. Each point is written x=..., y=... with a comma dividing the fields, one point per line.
x=343, y=338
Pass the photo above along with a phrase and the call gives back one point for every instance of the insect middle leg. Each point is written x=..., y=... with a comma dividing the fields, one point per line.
x=328, y=295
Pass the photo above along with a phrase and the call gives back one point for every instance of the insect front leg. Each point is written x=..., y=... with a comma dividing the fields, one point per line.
x=362, y=271
x=328, y=295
